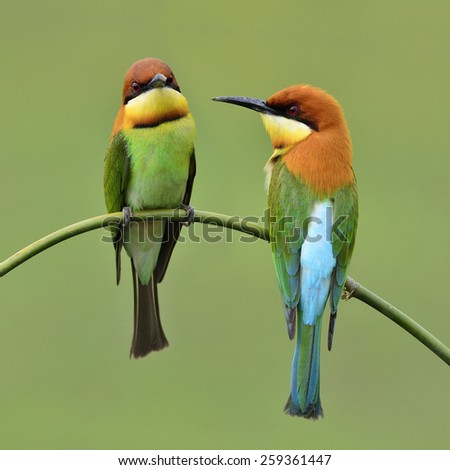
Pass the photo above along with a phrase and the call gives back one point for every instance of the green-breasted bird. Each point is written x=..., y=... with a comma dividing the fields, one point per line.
x=313, y=207
x=149, y=164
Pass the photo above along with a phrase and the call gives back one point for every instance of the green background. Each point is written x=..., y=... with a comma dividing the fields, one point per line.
x=65, y=328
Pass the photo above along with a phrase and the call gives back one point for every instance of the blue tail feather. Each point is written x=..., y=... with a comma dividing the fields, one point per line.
x=305, y=374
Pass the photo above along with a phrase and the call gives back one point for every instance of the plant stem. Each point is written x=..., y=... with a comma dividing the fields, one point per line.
x=235, y=223
x=393, y=313
x=117, y=217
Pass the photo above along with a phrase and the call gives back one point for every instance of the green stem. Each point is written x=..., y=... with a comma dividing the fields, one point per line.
x=393, y=313
x=354, y=288
x=117, y=217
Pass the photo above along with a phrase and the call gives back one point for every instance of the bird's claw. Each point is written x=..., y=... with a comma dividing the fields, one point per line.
x=190, y=214
x=348, y=294
x=127, y=216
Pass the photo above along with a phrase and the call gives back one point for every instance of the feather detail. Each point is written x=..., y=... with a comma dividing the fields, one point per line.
x=154, y=107
x=323, y=161
x=321, y=158
x=149, y=164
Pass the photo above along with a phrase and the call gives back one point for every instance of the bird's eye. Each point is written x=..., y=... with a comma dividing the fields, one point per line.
x=169, y=79
x=293, y=110
x=135, y=86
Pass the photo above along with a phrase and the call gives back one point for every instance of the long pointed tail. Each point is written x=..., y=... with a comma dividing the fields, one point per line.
x=304, y=399
x=148, y=333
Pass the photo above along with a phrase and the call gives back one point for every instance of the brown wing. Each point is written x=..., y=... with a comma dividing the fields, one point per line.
x=173, y=229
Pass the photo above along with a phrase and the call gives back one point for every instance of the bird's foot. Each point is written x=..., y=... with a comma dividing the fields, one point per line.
x=190, y=214
x=348, y=294
x=127, y=216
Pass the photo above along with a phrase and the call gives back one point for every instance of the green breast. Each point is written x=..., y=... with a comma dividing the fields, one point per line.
x=159, y=164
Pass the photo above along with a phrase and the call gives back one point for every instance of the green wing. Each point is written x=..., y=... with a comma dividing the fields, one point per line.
x=343, y=240
x=116, y=172
x=173, y=229
x=290, y=203
x=115, y=180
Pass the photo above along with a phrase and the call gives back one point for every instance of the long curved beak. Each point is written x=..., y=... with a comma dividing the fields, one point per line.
x=252, y=103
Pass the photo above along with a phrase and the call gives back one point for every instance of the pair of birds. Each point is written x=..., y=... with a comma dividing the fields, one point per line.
x=150, y=164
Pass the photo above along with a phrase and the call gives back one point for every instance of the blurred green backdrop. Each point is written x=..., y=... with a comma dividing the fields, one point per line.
x=65, y=328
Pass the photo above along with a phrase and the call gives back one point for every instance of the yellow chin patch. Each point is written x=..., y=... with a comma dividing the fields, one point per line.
x=155, y=107
x=284, y=132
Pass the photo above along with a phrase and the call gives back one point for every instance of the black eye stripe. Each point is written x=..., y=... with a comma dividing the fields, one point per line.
x=284, y=112
x=310, y=124
x=170, y=82
x=297, y=116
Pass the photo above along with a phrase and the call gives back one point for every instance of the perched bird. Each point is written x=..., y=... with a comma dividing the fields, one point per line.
x=149, y=164
x=313, y=209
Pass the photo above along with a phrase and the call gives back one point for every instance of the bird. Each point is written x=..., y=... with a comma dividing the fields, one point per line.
x=149, y=164
x=313, y=214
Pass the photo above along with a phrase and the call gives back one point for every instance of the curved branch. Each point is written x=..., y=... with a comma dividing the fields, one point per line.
x=393, y=313
x=115, y=218
x=235, y=223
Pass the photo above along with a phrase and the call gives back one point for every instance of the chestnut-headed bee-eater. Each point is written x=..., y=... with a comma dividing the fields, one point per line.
x=149, y=164
x=313, y=209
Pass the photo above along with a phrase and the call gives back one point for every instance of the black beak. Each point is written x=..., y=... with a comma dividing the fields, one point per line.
x=261, y=107
x=158, y=81
x=252, y=103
